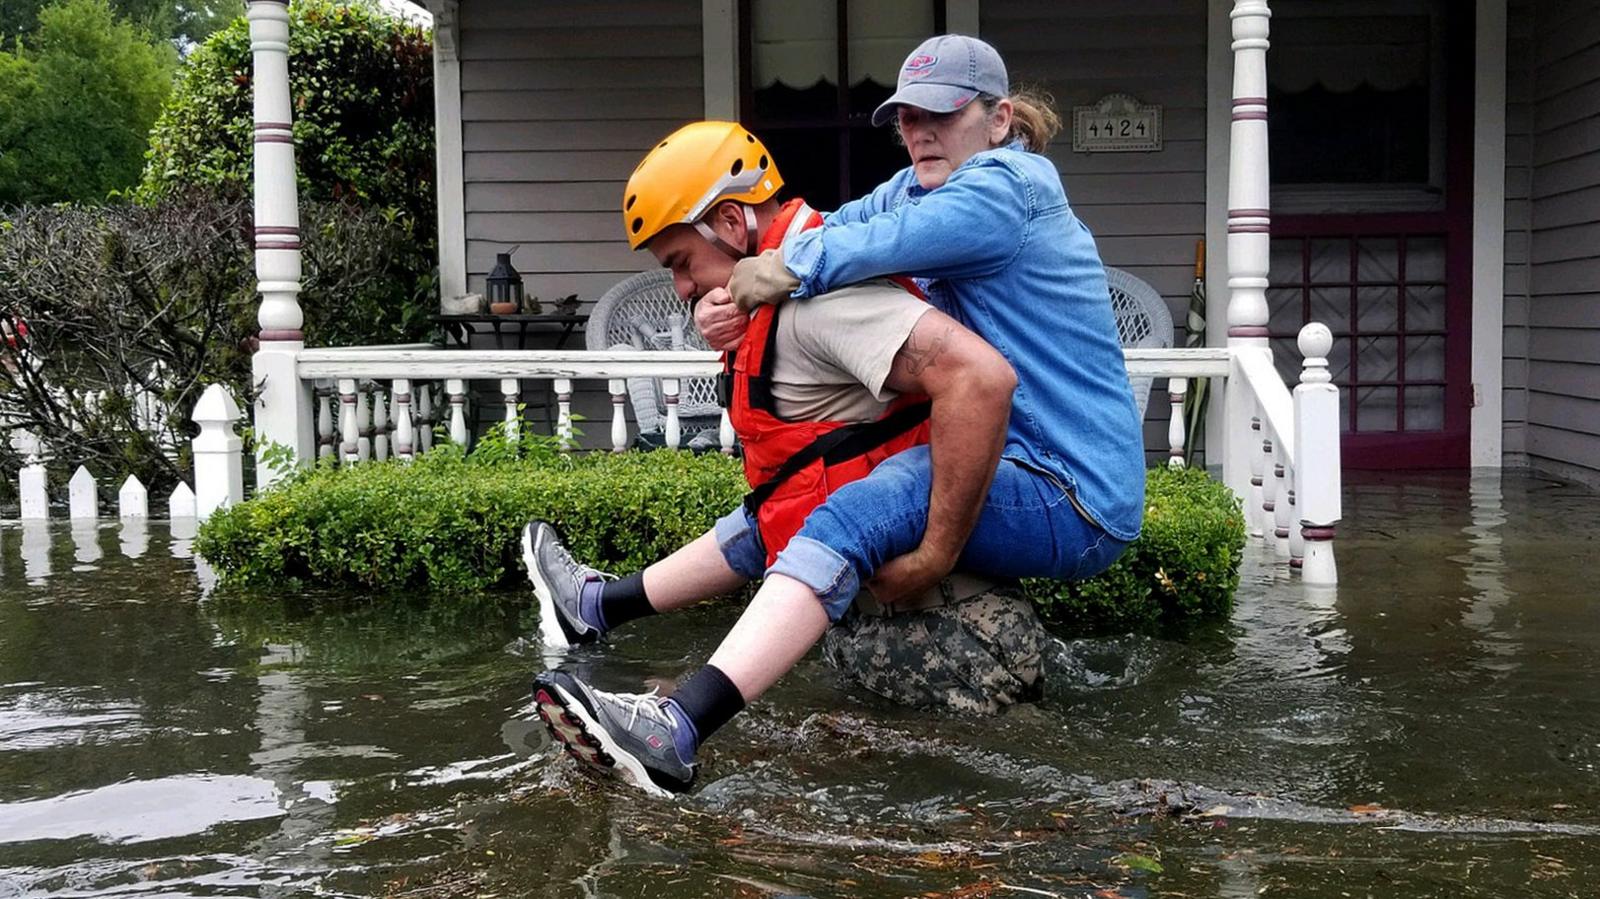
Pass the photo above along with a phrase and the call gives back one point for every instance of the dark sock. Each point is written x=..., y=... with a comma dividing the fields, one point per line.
x=705, y=701
x=623, y=600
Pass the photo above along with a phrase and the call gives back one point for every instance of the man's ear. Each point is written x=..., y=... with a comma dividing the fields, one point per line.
x=727, y=218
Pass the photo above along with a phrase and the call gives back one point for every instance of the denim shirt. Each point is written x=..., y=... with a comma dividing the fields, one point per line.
x=1002, y=253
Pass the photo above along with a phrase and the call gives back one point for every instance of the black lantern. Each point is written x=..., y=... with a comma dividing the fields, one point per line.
x=504, y=285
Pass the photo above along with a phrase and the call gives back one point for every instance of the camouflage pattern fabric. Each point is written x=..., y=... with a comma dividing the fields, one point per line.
x=979, y=655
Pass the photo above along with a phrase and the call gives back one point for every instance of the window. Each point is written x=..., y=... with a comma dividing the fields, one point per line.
x=810, y=76
x=1357, y=100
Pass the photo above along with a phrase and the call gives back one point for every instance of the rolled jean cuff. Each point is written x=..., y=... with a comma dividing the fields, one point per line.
x=740, y=543
x=826, y=572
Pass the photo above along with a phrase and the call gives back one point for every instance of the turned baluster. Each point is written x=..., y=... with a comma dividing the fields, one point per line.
x=1176, y=388
x=619, y=420
x=425, y=416
x=380, y=424
x=456, y=390
x=349, y=432
x=325, y=420
x=404, y=441
x=1297, y=540
x=725, y=434
x=364, y=421
x=511, y=391
x=1252, y=508
x=1280, y=501
x=669, y=387
x=564, y=411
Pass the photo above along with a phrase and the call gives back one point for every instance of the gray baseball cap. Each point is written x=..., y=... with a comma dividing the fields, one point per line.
x=944, y=73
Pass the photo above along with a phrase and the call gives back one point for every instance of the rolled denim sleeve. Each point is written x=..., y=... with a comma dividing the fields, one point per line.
x=971, y=226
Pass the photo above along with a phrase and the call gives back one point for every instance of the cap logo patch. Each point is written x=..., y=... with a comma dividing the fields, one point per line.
x=921, y=64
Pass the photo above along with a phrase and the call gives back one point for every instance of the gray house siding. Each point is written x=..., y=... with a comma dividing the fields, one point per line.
x=1519, y=180
x=1563, y=247
x=1146, y=209
x=557, y=99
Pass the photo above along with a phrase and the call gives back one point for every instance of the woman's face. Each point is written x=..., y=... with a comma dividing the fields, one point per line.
x=939, y=142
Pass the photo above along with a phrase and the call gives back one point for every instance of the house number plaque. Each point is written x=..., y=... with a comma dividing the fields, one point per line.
x=1116, y=124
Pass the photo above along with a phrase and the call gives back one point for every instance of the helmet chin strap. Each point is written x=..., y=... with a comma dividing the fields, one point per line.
x=751, y=235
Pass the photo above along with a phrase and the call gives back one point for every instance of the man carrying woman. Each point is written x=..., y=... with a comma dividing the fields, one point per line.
x=1055, y=490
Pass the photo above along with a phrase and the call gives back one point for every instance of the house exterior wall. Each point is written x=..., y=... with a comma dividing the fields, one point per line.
x=1560, y=340
x=557, y=100
x=1519, y=180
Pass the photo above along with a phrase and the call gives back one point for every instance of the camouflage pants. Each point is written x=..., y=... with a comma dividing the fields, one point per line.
x=979, y=655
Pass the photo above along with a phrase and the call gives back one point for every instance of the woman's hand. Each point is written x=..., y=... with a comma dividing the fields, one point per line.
x=761, y=279
x=910, y=575
x=720, y=321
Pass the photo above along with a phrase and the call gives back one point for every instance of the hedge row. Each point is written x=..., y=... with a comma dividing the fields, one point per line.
x=449, y=525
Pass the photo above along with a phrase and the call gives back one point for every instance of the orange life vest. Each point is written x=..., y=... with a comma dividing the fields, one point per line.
x=792, y=466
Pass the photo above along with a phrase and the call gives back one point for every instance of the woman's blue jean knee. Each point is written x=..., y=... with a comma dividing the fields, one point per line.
x=1028, y=528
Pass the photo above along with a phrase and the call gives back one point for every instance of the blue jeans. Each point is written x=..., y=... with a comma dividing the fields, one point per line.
x=1029, y=527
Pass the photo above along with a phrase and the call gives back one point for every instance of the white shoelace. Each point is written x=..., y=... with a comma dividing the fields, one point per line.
x=647, y=704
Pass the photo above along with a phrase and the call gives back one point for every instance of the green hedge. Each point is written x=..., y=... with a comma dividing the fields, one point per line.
x=1184, y=567
x=448, y=523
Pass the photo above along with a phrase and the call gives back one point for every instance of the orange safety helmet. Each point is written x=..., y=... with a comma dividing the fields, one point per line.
x=692, y=170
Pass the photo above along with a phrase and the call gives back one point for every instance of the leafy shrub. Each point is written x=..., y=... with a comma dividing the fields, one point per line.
x=1184, y=567
x=451, y=523
x=361, y=83
x=160, y=300
x=76, y=101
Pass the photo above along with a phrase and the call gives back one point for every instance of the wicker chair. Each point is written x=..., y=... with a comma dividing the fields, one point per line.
x=1143, y=322
x=643, y=312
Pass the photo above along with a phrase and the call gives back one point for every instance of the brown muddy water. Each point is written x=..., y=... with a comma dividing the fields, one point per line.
x=1431, y=728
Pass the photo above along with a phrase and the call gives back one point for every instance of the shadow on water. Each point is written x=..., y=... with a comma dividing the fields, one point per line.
x=1429, y=728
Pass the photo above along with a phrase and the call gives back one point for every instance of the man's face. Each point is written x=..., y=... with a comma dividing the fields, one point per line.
x=697, y=266
x=940, y=142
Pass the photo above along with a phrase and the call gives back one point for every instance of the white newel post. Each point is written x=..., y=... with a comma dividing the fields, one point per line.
x=1317, y=475
x=34, y=495
x=1249, y=235
x=283, y=407
x=218, y=463
x=180, y=504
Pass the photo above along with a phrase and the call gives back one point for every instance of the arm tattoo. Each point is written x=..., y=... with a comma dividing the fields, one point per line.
x=923, y=355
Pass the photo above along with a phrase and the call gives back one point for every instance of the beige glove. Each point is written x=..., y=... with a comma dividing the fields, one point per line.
x=761, y=279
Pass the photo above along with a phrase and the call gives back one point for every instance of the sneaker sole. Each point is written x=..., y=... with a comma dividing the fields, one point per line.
x=549, y=625
x=578, y=731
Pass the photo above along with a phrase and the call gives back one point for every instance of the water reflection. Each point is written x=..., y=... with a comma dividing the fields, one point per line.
x=1360, y=740
x=85, y=544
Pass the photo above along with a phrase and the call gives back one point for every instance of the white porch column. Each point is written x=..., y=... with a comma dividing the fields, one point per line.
x=283, y=408
x=1249, y=224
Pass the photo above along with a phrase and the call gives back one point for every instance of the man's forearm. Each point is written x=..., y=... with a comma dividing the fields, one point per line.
x=967, y=432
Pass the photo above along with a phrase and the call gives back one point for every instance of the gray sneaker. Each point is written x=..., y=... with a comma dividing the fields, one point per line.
x=628, y=735
x=558, y=581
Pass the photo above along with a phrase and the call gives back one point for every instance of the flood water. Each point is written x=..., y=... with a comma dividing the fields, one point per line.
x=1430, y=728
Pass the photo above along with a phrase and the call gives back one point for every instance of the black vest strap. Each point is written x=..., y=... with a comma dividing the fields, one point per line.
x=839, y=445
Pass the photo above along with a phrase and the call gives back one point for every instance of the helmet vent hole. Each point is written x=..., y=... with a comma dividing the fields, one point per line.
x=660, y=145
x=763, y=162
x=738, y=166
x=630, y=203
x=750, y=138
x=638, y=223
